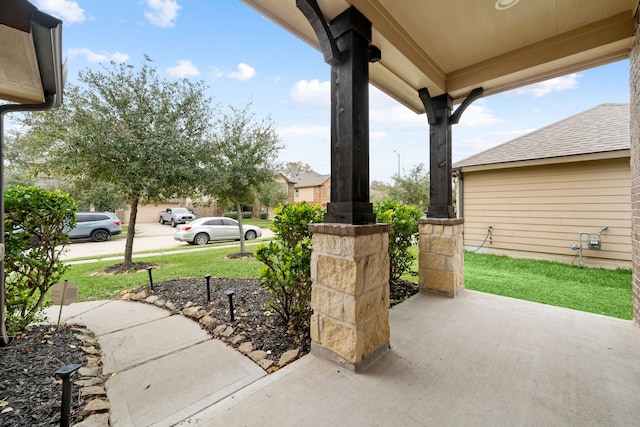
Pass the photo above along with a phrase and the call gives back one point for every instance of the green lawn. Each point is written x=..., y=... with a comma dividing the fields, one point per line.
x=599, y=291
x=191, y=264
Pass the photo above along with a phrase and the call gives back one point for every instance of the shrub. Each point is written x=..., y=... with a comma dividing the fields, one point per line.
x=247, y=214
x=287, y=271
x=263, y=215
x=35, y=223
x=402, y=235
x=232, y=215
x=291, y=221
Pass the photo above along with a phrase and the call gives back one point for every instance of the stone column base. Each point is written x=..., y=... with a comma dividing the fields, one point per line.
x=441, y=259
x=350, y=293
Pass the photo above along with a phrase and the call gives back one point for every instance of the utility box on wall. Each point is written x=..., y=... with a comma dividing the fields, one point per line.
x=594, y=243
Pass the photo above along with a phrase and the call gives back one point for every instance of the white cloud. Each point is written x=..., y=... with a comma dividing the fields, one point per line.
x=162, y=13
x=305, y=131
x=69, y=11
x=244, y=72
x=478, y=115
x=557, y=84
x=312, y=94
x=92, y=56
x=184, y=69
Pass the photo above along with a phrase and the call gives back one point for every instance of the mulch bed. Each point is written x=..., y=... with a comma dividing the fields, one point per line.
x=30, y=395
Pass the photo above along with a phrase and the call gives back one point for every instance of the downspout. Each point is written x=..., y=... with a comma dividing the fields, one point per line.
x=457, y=172
x=48, y=104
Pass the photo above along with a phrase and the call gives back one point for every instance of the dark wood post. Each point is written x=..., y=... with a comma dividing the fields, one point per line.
x=345, y=45
x=438, y=110
x=350, y=121
x=440, y=197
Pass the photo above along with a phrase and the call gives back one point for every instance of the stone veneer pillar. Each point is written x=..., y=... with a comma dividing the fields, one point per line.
x=350, y=293
x=634, y=79
x=441, y=259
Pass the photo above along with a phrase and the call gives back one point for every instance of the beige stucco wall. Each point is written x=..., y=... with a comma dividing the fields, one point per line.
x=320, y=194
x=538, y=211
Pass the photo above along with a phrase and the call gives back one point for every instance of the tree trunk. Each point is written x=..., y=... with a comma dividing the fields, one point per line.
x=131, y=231
x=240, y=226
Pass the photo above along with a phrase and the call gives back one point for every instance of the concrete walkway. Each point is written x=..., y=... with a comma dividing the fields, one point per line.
x=477, y=360
x=161, y=369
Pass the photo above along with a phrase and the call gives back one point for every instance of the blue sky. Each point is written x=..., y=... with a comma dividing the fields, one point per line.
x=244, y=57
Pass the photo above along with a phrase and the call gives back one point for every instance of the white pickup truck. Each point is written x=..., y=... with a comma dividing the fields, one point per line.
x=176, y=216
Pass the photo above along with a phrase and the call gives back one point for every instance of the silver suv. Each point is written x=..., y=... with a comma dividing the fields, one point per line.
x=97, y=226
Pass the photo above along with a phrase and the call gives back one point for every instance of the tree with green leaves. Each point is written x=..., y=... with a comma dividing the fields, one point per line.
x=240, y=157
x=293, y=169
x=272, y=193
x=412, y=188
x=128, y=127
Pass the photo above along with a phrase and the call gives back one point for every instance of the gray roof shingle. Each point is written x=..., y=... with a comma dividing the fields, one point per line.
x=600, y=129
x=309, y=179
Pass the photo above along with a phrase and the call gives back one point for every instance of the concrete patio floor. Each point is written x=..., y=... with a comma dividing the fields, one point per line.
x=477, y=360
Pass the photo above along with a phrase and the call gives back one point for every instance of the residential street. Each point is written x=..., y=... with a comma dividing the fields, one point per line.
x=150, y=236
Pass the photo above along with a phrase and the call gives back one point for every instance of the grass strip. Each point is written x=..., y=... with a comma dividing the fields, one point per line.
x=601, y=291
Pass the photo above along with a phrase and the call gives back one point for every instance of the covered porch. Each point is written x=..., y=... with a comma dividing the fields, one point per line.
x=429, y=56
x=478, y=359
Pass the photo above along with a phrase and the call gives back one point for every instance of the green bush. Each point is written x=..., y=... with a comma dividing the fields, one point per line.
x=287, y=271
x=404, y=219
x=35, y=224
x=232, y=215
x=263, y=215
x=247, y=214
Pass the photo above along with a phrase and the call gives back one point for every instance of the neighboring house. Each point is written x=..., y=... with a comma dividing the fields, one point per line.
x=313, y=188
x=538, y=191
x=151, y=212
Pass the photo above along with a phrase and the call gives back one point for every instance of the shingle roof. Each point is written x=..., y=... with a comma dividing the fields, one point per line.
x=600, y=129
x=309, y=179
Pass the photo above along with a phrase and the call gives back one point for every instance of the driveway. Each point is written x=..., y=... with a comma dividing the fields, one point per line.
x=149, y=237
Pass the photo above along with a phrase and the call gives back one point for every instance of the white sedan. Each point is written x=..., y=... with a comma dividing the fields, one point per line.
x=203, y=230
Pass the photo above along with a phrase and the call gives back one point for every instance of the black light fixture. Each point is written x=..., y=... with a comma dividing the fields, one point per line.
x=32, y=77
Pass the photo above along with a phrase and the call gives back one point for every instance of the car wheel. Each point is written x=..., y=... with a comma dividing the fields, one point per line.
x=99, y=235
x=250, y=235
x=201, y=239
x=161, y=221
x=173, y=222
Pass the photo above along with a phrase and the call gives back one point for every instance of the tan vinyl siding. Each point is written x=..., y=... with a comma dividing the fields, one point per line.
x=540, y=210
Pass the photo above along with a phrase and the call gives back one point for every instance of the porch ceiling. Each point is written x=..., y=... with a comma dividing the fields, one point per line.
x=456, y=46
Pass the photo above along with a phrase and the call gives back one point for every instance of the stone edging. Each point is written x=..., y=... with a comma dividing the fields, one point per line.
x=218, y=329
x=91, y=382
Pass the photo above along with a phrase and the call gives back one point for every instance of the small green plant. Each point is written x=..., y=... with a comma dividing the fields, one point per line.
x=403, y=234
x=263, y=215
x=246, y=214
x=287, y=271
x=36, y=222
x=232, y=215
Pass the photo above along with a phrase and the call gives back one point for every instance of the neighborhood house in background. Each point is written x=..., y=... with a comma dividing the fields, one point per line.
x=203, y=230
x=176, y=216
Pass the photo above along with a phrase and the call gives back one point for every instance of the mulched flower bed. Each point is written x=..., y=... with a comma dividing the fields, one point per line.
x=253, y=318
x=30, y=394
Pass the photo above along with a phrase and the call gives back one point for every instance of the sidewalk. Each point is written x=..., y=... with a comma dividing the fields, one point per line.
x=477, y=360
x=161, y=369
